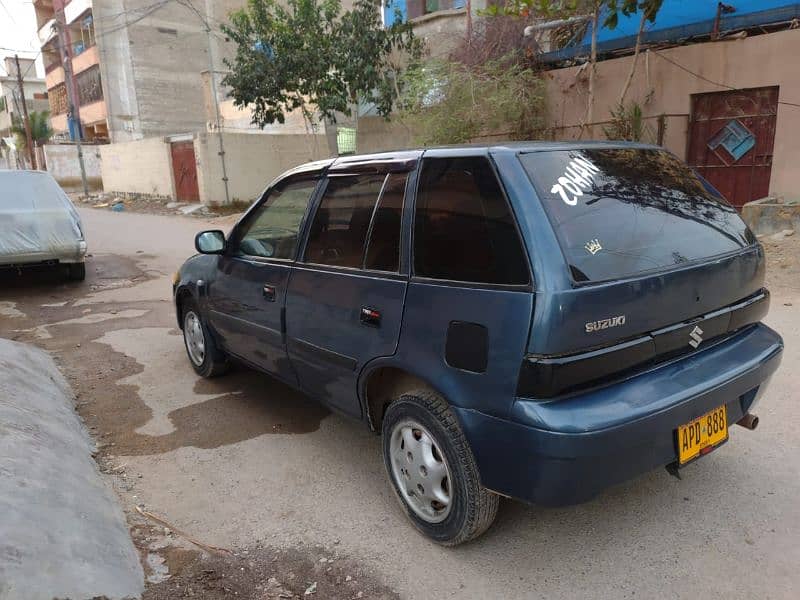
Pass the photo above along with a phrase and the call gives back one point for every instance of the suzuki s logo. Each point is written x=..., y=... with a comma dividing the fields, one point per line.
x=697, y=337
x=593, y=326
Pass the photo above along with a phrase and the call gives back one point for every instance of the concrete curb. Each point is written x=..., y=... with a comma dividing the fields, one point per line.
x=62, y=533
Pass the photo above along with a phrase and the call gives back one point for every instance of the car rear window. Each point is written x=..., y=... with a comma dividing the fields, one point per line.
x=620, y=212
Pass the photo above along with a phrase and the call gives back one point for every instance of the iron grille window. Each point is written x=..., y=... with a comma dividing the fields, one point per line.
x=89, y=87
x=58, y=99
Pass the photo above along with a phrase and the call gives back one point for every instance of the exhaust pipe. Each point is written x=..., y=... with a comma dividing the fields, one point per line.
x=749, y=421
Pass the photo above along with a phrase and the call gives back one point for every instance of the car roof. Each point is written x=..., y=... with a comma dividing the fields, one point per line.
x=511, y=146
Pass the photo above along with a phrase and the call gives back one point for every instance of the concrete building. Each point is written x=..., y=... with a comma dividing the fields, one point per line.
x=11, y=104
x=137, y=64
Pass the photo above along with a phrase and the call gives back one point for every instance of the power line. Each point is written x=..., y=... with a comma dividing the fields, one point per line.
x=707, y=80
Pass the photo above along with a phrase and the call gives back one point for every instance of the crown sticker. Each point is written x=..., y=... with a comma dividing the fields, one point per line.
x=593, y=246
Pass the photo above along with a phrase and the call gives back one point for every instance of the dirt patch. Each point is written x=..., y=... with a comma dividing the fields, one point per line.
x=783, y=261
x=267, y=574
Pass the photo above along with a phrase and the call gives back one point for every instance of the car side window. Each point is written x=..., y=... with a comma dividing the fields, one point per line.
x=463, y=227
x=272, y=230
x=383, y=247
x=339, y=231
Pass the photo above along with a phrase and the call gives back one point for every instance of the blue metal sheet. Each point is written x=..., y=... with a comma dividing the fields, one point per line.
x=680, y=19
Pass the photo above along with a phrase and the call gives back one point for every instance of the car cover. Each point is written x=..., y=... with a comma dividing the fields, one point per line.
x=37, y=219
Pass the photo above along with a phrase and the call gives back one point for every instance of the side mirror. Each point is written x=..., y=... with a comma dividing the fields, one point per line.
x=210, y=242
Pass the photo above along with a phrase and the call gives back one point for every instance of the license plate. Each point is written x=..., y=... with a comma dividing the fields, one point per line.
x=703, y=434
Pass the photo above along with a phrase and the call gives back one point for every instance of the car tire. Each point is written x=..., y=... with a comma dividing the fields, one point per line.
x=205, y=357
x=76, y=271
x=417, y=480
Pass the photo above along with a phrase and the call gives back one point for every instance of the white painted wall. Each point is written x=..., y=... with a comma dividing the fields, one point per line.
x=139, y=167
x=62, y=163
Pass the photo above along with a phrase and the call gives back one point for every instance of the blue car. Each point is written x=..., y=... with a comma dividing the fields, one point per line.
x=535, y=320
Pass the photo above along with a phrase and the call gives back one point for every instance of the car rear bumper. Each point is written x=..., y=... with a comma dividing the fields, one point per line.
x=567, y=451
x=64, y=253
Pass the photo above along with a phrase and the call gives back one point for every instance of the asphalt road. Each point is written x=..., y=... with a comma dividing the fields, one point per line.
x=243, y=461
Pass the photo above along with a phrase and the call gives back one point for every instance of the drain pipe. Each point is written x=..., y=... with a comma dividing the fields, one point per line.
x=213, y=81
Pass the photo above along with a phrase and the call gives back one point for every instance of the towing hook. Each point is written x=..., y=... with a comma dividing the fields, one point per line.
x=749, y=421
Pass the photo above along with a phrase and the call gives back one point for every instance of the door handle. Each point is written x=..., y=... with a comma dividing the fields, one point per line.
x=370, y=316
x=269, y=293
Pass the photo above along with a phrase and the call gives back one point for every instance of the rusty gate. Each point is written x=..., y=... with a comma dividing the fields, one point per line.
x=184, y=172
x=731, y=138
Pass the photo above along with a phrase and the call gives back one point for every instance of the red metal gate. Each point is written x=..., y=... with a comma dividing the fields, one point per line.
x=184, y=171
x=731, y=139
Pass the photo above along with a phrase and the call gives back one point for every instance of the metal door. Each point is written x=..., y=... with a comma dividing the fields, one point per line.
x=184, y=171
x=731, y=139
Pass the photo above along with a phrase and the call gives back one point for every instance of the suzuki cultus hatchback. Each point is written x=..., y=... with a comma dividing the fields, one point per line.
x=537, y=321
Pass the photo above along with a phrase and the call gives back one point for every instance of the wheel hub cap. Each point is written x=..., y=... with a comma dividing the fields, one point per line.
x=420, y=471
x=194, y=338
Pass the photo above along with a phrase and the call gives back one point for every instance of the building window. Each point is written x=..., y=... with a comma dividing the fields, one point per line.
x=86, y=35
x=58, y=99
x=89, y=88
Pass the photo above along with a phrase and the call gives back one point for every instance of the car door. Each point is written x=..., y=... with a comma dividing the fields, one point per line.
x=248, y=294
x=345, y=300
x=469, y=303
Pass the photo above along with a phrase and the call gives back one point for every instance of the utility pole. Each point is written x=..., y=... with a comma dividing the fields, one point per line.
x=69, y=83
x=213, y=82
x=28, y=136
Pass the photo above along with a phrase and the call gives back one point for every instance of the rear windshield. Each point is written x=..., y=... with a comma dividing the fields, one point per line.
x=620, y=212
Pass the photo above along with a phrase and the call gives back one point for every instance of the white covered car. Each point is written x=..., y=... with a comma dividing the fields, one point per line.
x=39, y=225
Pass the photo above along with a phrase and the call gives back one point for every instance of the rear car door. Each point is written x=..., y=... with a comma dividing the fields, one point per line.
x=345, y=300
x=469, y=301
x=248, y=294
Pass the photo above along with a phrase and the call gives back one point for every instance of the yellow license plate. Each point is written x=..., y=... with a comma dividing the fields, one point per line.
x=702, y=435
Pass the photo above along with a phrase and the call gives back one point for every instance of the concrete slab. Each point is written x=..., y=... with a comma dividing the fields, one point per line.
x=62, y=534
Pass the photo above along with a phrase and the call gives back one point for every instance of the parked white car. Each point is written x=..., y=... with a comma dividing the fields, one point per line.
x=39, y=225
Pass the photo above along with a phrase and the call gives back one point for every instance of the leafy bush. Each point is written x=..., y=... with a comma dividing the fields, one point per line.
x=447, y=102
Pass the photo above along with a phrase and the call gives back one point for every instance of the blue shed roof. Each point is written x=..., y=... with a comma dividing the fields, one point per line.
x=679, y=20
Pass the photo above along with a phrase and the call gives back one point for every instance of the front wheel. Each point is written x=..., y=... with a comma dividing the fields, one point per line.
x=207, y=360
x=432, y=470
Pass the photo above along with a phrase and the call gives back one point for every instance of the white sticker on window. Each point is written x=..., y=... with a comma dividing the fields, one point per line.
x=577, y=177
x=593, y=246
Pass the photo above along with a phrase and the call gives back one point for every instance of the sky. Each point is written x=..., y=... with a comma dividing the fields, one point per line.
x=18, y=32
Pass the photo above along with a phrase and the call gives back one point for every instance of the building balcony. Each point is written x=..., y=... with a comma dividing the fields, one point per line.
x=58, y=123
x=75, y=8
x=94, y=113
x=54, y=76
x=91, y=114
x=84, y=60
x=47, y=31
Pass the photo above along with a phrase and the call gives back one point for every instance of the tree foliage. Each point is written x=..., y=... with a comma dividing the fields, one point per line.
x=312, y=56
x=628, y=124
x=41, y=131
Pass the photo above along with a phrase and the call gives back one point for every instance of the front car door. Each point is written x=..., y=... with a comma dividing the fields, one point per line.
x=345, y=300
x=248, y=294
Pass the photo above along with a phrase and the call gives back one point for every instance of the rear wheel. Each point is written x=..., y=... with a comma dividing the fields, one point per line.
x=76, y=271
x=432, y=470
x=207, y=360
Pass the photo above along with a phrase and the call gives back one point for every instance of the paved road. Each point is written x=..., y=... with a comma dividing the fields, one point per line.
x=243, y=460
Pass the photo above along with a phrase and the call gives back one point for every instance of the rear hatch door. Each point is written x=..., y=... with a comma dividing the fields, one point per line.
x=649, y=247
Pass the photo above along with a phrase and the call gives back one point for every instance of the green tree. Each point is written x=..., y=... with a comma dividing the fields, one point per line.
x=41, y=131
x=312, y=56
